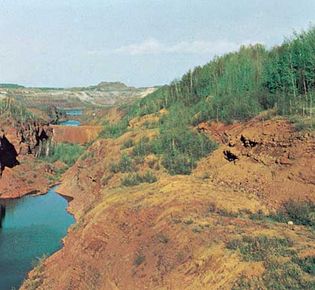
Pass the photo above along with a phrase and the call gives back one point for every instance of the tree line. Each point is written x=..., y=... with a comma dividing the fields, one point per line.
x=239, y=85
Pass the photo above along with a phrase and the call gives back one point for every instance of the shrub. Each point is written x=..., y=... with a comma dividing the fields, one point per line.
x=136, y=179
x=131, y=180
x=279, y=273
x=181, y=149
x=114, y=167
x=258, y=248
x=139, y=259
x=125, y=164
x=307, y=264
x=177, y=163
x=114, y=130
x=142, y=148
x=65, y=152
x=127, y=144
x=149, y=177
x=300, y=212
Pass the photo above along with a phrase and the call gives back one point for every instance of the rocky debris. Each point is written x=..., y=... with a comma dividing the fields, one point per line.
x=228, y=155
x=248, y=142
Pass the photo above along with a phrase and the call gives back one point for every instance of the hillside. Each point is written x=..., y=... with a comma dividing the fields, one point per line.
x=104, y=94
x=207, y=183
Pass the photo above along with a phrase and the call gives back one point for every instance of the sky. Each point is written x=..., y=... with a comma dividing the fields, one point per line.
x=139, y=42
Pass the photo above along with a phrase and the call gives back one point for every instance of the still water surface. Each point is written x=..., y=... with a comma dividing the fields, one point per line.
x=33, y=226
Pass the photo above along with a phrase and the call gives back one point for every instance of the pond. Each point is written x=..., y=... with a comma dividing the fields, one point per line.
x=70, y=123
x=32, y=226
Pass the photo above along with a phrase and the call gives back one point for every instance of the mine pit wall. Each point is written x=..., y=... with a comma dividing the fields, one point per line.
x=22, y=139
x=76, y=135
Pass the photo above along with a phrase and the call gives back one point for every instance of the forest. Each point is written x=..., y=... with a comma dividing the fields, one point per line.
x=239, y=85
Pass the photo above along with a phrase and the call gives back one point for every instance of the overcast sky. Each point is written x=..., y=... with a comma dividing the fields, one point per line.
x=140, y=42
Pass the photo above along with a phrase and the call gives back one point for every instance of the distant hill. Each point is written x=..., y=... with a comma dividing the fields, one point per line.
x=10, y=86
x=104, y=94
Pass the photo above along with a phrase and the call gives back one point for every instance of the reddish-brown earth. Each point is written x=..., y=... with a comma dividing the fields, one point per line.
x=172, y=234
x=75, y=135
x=22, y=173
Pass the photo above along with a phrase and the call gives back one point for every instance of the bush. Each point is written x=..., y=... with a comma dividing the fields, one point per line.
x=142, y=148
x=127, y=144
x=279, y=273
x=181, y=149
x=131, y=180
x=115, y=130
x=307, y=264
x=258, y=248
x=149, y=177
x=300, y=212
x=124, y=165
x=65, y=152
x=139, y=259
x=136, y=179
x=177, y=163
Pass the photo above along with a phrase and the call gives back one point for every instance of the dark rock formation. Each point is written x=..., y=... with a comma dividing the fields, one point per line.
x=8, y=153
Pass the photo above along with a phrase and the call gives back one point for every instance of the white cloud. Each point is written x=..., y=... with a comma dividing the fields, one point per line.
x=153, y=46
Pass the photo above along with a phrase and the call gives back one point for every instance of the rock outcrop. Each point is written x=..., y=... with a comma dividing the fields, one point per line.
x=20, y=145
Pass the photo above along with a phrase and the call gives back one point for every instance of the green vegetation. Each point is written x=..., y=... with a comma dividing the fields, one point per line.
x=11, y=86
x=299, y=212
x=178, y=145
x=65, y=152
x=114, y=130
x=307, y=264
x=139, y=259
x=238, y=85
x=124, y=165
x=142, y=148
x=234, y=87
x=258, y=248
x=127, y=144
x=283, y=270
x=136, y=179
x=16, y=110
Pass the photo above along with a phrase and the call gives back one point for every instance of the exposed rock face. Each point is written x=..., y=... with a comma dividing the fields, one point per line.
x=8, y=154
x=20, y=144
x=27, y=137
x=273, y=160
x=31, y=135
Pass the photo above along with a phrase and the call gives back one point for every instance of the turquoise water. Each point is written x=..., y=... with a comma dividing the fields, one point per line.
x=70, y=123
x=75, y=112
x=32, y=227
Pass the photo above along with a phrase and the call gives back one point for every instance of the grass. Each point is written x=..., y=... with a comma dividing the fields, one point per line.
x=128, y=144
x=283, y=270
x=124, y=165
x=300, y=212
x=136, y=179
x=257, y=248
x=65, y=152
x=114, y=130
